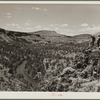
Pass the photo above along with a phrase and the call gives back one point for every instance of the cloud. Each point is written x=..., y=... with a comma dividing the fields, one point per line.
x=58, y=25
x=19, y=27
x=38, y=27
x=36, y=8
x=64, y=25
x=90, y=30
x=33, y=7
x=29, y=28
x=93, y=25
x=7, y=24
x=84, y=24
x=18, y=8
x=8, y=15
x=27, y=24
x=51, y=25
x=65, y=31
x=45, y=9
x=56, y=28
x=17, y=24
x=46, y=28
x=12, y=25
x=29, y=21
x=68, y=32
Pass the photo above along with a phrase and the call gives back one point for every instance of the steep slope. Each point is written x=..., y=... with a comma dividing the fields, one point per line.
x=42, y=36
x=82, y=38
x=14, y=36
x=52, y=36
x=40, y=61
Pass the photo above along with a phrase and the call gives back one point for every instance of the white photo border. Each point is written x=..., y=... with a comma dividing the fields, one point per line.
x=49, y=95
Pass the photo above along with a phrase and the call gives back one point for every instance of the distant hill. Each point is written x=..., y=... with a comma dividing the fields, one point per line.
x=52, y=36
x=43, y=36
x=82, y=38
x=46, y=33
x=8, y=36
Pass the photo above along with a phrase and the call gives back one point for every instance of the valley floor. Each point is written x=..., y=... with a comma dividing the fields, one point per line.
x=50, y=67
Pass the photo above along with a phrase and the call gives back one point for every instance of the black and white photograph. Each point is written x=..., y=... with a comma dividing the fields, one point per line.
x=50, y=48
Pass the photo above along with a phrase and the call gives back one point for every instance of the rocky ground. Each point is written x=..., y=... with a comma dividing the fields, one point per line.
x=41, y=65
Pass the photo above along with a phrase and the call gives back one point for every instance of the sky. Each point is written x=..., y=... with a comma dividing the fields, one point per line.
x=68, y=19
